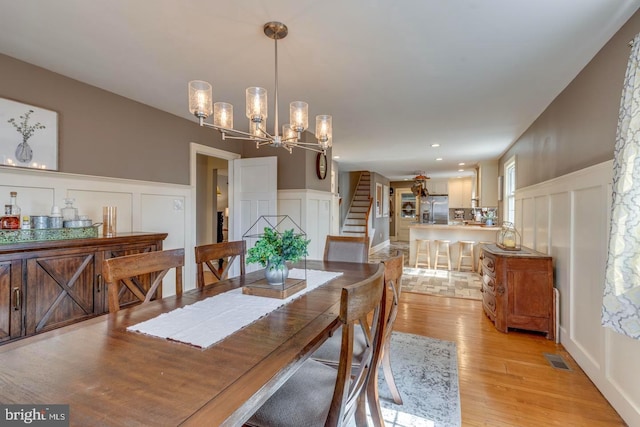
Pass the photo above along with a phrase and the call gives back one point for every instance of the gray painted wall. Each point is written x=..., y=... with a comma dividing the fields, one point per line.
x=103, y=134
x=578, y=129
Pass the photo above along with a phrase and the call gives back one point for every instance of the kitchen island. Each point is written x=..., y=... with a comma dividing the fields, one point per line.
x=453, y=233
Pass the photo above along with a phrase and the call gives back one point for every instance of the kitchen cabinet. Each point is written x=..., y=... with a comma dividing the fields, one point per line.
x=517, y=289
x=48, y=284
x=438, y=186
x=460, y=193
x=488, y=183
x=10, y=300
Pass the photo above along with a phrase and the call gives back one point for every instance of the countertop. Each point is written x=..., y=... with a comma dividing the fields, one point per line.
x=455, y=227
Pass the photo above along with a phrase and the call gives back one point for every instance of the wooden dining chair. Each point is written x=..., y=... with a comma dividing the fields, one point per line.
x=209, y=254
x=346, y=248
x=319, y=395
x=128, y=269
x=329, y=351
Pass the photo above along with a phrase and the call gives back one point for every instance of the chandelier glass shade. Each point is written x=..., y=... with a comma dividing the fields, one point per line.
x=202, y=106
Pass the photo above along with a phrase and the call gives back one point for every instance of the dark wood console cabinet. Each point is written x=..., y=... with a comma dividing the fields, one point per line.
x=517, y=289
x=48, y=284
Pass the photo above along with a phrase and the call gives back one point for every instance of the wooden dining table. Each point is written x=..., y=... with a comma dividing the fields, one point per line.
x=110, y=376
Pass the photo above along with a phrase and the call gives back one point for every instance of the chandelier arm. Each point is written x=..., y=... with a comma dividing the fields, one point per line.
x=308, y=148
x=237, y=134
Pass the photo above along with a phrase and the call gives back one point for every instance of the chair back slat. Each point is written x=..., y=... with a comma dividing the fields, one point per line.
x=125, y=269
x=356, y=303
x=209, y=254
x=346, y=248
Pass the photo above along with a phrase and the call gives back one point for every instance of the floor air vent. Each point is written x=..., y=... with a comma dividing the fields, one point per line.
x=556, y=361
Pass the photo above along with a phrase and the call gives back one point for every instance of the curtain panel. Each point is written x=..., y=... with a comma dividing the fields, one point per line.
x=621, y=303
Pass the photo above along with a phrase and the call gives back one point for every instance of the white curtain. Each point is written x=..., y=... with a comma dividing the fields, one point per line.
x=621, y=304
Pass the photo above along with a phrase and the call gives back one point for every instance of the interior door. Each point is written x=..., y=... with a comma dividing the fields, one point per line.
x=255, y=192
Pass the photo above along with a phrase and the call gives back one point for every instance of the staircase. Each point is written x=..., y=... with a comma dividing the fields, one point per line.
x=357, y=221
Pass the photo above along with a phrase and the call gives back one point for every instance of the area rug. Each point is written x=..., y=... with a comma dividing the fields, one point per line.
x=426, y=373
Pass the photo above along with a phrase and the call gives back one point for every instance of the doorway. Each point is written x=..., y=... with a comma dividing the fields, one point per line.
x=210, y=170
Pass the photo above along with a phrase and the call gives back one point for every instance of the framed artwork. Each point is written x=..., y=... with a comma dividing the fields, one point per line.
x=28, y=136
x=385, y=200
x=379, y=200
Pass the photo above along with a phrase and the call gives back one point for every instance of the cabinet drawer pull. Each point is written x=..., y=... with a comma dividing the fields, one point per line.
x=501, y=290
x=99, y=282
x=16, y=299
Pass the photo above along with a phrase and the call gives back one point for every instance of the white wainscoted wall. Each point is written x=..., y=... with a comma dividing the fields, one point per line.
x=568, y=218
x=142, y=206
x=316, y=212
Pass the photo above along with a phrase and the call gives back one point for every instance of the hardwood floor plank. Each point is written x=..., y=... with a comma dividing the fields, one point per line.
x=505, y=380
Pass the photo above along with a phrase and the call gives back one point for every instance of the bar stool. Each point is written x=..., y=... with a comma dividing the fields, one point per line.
x=480, y=250
x=423, y=245
x=442, y=245
x=466, y=251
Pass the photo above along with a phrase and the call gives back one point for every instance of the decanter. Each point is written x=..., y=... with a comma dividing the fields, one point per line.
x=11, y=218
x=69, y=213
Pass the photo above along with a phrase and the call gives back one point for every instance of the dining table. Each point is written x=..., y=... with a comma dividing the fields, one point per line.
x=111, y=376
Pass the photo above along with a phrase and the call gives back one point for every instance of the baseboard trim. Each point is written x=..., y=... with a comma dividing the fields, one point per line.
x=379, y=246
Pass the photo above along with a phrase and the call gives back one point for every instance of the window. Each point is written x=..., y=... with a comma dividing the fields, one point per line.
x=510, y=190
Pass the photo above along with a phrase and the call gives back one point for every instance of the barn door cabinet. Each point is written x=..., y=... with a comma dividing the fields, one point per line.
x=517, y=289
x=48, y=284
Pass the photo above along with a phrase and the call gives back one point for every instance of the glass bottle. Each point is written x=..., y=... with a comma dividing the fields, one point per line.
x=11, y=218
x=69, y=213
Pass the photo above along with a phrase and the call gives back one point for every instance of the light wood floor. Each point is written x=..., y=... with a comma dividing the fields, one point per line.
x=504, y=378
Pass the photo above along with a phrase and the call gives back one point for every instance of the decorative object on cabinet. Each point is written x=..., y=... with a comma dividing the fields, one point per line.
x=201, y=105
x=508, y=237
x=28, y=136
x=321, y=165
x=50, y=284
x=517, y=289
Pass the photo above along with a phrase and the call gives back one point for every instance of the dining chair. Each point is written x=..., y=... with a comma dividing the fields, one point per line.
x=320, y=395
x=346, y=248
x=330, y=349
x=128, y=269
x=208, y=254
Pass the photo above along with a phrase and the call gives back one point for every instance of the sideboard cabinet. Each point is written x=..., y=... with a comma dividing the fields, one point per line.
x=517, y=289
x=48, y=284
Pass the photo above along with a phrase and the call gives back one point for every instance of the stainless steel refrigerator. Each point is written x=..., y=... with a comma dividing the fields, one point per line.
x=435, y=210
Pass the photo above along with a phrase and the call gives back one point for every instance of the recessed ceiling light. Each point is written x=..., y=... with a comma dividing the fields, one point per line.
x=435, y=145
x=336, y=157
x=438, y=159
x=461, y=164
x=406, y=179
x=460, y=170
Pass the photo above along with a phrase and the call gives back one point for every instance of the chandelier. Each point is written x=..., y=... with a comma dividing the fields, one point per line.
x=201, y=100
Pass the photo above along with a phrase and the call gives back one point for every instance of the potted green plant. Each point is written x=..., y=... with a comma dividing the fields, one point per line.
x=274, y=249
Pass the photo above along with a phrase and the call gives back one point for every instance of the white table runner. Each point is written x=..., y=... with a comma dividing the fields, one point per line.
x=206, y=322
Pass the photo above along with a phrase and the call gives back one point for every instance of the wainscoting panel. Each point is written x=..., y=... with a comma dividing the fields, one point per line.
x=315, y=212
x=528, y=223
x=91, y=202
x=576, y=234
x=142, y=206
x=587, y=283
x=560, y=236
x=542, y=224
